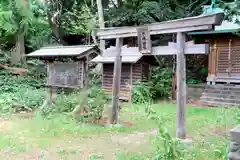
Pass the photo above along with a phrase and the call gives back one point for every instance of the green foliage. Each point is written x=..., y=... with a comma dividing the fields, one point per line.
x=11, y=84
x=24, y=99
x=231, y=9
x=92, y=101
x=132, y=157
x=27, y=17
x=221, y=152
x=21, y=92
x=4, y=59
x=168, y=147
x=161, y=82
x=158, y=87
x=79, y=20
x=96, y=101
x=136, y=12
x=141, y=93
x=173, y=148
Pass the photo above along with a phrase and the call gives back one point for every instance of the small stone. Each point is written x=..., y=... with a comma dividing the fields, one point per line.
x=155, y=132
x=113, y=125
x=234, y=149
x=187, y=142
x=235, y=134
x=118, y=125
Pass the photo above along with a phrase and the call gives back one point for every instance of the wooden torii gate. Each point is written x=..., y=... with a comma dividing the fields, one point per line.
x=181, y=27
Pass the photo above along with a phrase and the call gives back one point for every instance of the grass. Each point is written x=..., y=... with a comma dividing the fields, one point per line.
x=63, y=136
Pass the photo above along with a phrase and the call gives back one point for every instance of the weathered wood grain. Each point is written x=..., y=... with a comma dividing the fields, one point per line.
x=69, y=75
x=116, y=83
x=181, y=129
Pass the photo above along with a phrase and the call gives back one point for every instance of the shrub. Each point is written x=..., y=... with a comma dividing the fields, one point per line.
x=161, y=82
x=168, y=147
x=158, y=87
x=91, y=101
x=28, y=98
x=96, y=101
x=141, y=93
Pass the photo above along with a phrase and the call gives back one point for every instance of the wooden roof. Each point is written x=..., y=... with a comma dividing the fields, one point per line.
x=65, y=51
x=125, y=59
x=129, y=55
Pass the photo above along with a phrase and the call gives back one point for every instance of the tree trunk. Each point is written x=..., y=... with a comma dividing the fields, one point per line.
x=18, y=56
x=54, y=27
x=101, y=23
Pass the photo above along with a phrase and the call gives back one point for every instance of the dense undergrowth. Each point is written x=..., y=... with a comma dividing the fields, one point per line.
x=21, y=91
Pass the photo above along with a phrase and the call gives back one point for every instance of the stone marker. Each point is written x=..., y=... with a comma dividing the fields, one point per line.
x=234, y=150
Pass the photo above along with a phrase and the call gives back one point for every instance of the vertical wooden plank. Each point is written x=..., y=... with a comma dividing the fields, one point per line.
x=87, y=63
x=48, y=74
x=181, y=87
x=229, y=70
x=131, y=83
x=116, y=83
x=102, y=70
x=210, y=56
x=51, y=96
x=82, y=73
x=214, y=59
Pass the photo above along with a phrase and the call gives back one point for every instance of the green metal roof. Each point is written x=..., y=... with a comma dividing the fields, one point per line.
x=225, y=27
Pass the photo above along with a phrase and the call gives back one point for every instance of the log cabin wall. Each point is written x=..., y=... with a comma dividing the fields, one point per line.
x=224, y=59
x=136, y=73
x=107, y=80
x=131, y=73
x=145, y=72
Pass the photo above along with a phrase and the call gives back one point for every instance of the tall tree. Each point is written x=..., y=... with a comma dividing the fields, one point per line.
x=20, y=41
x=21, y=22
x=101, y=22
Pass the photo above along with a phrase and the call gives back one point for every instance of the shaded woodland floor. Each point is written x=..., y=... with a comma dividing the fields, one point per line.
x=62, y=138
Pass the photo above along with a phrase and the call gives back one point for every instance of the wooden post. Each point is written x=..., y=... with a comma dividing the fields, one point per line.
x=116, y=82
x=181, y=87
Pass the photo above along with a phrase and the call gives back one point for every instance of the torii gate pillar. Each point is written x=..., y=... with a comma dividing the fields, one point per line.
x=181, y=131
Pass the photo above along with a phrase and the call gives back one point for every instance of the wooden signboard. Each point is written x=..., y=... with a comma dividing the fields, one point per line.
x=66, y=75
x=144, y=40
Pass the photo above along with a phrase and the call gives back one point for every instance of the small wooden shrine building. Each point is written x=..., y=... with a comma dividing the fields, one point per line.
x=224, y=56
x=135, y=68
x=67, y=66
x=223, y=61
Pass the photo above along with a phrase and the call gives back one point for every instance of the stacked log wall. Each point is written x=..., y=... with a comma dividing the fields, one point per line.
x=131, y=73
